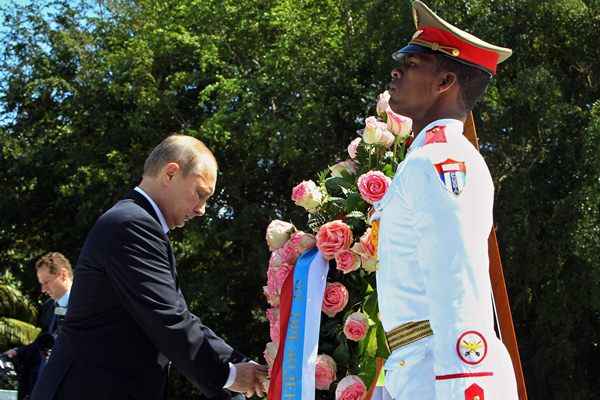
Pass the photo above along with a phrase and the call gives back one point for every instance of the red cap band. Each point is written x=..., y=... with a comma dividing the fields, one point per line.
x=448, y=43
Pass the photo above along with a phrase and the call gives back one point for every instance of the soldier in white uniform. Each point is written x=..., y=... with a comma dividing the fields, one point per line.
x=433, y=282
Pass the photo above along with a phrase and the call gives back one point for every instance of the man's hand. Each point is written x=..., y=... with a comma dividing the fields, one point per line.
x=249, y=379
x=12, y=353
x=261, y=384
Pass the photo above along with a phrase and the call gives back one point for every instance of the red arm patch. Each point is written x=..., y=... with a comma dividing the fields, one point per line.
x=474, y=392
x=437, y=134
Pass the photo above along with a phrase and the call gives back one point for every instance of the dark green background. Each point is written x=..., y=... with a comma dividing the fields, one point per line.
x=278, y=89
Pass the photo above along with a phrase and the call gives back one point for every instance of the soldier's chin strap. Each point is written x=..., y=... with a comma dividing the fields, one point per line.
x=500, y=295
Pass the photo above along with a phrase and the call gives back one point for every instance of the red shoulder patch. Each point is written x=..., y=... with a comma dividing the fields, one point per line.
x=437, y=134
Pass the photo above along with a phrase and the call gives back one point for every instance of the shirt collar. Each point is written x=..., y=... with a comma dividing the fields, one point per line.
x=161, y=218
x=452, y=125
x=64, y=300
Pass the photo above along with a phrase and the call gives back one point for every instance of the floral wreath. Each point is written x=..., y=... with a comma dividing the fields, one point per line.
x=351, y=336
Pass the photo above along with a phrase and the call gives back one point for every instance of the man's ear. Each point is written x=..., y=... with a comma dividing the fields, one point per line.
x=447, y=81
x=169, y=171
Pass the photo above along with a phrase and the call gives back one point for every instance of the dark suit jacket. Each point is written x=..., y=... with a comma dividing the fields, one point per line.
x=28, y=359
x=125, y=308
x=46, y=315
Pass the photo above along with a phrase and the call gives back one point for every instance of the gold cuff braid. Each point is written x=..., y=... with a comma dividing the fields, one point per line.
x=408, y=333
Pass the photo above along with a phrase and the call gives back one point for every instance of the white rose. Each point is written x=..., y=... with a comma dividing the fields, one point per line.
x=383, y=103
x=306, y=194
x=349, y=166
x=399, y=125
x=278, y=232
x=376, y=132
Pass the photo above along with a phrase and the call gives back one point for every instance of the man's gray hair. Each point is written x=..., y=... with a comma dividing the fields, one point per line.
x=187, y=151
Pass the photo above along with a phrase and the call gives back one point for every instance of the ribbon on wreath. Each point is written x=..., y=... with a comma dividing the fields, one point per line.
x=293, y=372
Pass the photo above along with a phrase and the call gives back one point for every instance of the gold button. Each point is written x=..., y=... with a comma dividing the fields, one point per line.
x=402, y=363
x=456, y=53
x=435, y=46
x=476, y=398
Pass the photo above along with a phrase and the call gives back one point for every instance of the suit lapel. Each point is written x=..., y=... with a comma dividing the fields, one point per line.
x=141, y=201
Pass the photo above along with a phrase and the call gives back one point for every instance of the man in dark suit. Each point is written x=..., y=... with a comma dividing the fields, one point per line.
x=55, y=276
x=127, y=318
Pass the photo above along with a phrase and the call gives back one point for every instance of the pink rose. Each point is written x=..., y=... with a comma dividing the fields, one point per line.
x=270, y=353
x=356, y=326
x=271, y=295
x=273, y=317
x=276, y=277
x=335, y=298
x=347, y=261
x=351, y=388
x=353, y=147
x=373, y=185
x=289, y=253
x=383, y=103
x=376, y=132
x=366, y=241
x=301, y=241
x=276, y=259
x=306, y=194
x=365, y=247
x=278, y=232
x=399, y=125
x=325, y=372
x=333, y=237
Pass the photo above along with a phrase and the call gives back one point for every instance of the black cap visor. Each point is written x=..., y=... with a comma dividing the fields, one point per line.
x=411, y=49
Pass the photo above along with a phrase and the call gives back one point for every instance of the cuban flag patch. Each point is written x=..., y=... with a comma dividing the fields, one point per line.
x=453, y=175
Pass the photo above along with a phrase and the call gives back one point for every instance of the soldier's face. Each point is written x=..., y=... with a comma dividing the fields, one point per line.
x=413, y=85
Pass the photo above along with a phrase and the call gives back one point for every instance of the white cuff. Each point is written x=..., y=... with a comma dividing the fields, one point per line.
x=231, y=377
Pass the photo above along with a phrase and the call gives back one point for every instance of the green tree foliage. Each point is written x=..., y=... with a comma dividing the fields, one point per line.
x=17, y=317
x=274, y=88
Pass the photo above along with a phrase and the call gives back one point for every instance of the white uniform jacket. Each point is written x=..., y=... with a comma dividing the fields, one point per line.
x=435, y=221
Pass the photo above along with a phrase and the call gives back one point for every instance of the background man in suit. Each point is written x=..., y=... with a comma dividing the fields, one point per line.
x=55, y=276
x=127, y=319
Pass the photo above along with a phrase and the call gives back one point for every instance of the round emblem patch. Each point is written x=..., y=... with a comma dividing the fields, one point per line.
x=471, y=347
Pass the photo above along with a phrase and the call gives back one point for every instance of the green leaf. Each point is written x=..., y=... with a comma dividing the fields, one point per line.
x=389, y=170
x=15, y=305
x=383, y=350
x=16, y=333
x=335, y=185
x=371, y=339
x=356, y=214
x=370, y=305
x=355, y=203
x=342, y=353
x=368, y=369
